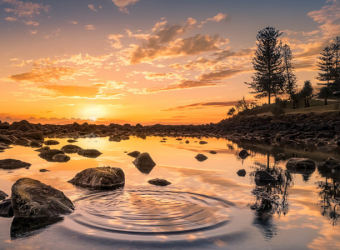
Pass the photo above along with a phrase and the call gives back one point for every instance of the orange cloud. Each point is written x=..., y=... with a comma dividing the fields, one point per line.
x=123, y=3
x=202, y=105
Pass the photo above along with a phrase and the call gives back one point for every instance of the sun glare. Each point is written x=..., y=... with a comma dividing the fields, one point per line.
x=93, y=113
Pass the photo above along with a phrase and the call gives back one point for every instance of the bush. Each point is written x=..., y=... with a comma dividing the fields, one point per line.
x=277, y=110
x=281, y=103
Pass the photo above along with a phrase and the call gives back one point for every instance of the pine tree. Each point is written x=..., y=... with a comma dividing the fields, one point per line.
x=289, y=76
x=335, y=50
x=307, y=92
x=268, y=79
x=325, y=93
x=325, y=65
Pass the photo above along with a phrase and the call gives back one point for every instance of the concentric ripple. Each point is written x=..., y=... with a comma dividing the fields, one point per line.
x=150, y=213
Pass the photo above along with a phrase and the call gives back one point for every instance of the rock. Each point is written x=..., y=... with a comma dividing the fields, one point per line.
x=61, y=158
x=243, y=154
x=179, y=139
x=33, y=199
x=3, y=195
x=101, y=178
x=201, y=157
x=43, y=149
x=23, y=142
x=52, y=142
x=186, y=142
x=159, y=182
x=13, y=164
x=6, y=208
x=298, y=164
x=48, y=154
x=332, y=162
x=263, y=178
x=91, y=153
x=4, y=125
x=144, y=163
x=134, y=154
x=70, y=149
x=203, y=142
x=241, y=172
x=43, y=170
x=5, y=139
x=115, y=138
x=72, y=141
x=38, y=135
x=35, y=144
x=213, y=152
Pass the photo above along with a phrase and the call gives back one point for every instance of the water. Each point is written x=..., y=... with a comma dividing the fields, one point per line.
x=207, y=206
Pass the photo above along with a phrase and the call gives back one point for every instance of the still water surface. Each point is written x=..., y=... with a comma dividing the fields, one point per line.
x=207, y=206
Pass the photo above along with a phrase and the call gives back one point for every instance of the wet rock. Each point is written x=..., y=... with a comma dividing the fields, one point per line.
x=243, y=154
x=101, y=178
x=91, y=153
x=43, y=149
x=23, y=142
x=201, y=157
x=38, y=135
x=13, y=164
x=125, y=137
x=264, y=178
x=144, y=163
x=35, y=144
x=241, y=172
x=203, y=142
x=179, y=139
x=115, y=138
x=3, y=195
x=43, y=170
x=159, y=182
x=300, y=164
x=48, y=154
x=33, y=199
x=52, y=142
x=72, y=141
x=61, y=158
x=134, y=154
x=5, y=139
x=332, y=162
x=213, y=152
x=4, y=125
x=70, y=149
x=186, y=142
x=6, y=208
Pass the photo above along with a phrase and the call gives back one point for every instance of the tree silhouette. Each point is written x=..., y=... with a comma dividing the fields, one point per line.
x=335, y=49
x=307, y=92
x=268, y=79
x=325, y=65
x=325, y=93
x=289, y=76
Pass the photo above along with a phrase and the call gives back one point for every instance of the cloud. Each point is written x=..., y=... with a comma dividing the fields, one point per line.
x=224, y=74
x=219, y=17
x=115, y=40
x=184, y=84
x=90, y=27
x=123, y=3
x=202, y=105
x=11, y=19
x=73, y=91
x=91, y=7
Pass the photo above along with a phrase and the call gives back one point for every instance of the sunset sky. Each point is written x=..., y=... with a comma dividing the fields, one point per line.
x=145, y=61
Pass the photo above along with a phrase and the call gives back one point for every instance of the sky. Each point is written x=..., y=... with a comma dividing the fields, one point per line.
x=146, y=61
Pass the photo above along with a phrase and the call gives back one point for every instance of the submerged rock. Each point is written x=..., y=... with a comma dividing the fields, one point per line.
x=203, y=142
x=201, y=157
x=243, y=154
x=213, y=152
x=6, y=208
x=91, y=153
x=13, y=164
x=144, y=163
x=43, y=170
x=134, y=154
x=300, y=164
x=70, y=149
x=48, y=154
x=101, y=178
x=159, y=182
x=52, y=142
x=61, y=158
x=33, y=199
x=241, y=172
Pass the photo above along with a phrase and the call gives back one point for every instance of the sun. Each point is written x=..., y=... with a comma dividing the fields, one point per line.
x=94, y=112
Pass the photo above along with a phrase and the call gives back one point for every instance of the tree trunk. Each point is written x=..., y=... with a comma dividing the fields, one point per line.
x=325, y=101
x=269, y=98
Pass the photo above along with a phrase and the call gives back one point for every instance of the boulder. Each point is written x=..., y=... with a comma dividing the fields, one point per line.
x=241, y=172
x=243, y=154
x=23, y=142
x=6, y=208
x=48, y=154
x=332, y=162
x=43, y=170
x=144, y=163
x=300, y=164
x=159, y=182
x=43, y=149
x=201, y=157
x=4, y=125
x=5, y=139
x=72, y=141
x=70, y=149
x=203, y=142
x=100, y=178
x=33, y=199
x=52, y=142
x=115, y=138
x=61, y=158
x=213, y=152
x=134, y=154
x=91, y=153
x=35, y=144
x=3, y=195
x=13, y=164
x=38, y=135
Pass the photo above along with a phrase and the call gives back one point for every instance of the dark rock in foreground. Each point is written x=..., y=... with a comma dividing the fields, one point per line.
x=243, y=154
x=300, y=164
x=33, y=199
x=3, y=195
x=100, y=178
x=6, y=208
x=241, y=172
x=48, y=154
x=159, y=182
x=144, y=163
x=91, y=153
x=201, y=157
x=13, y=164
x=134, y=154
